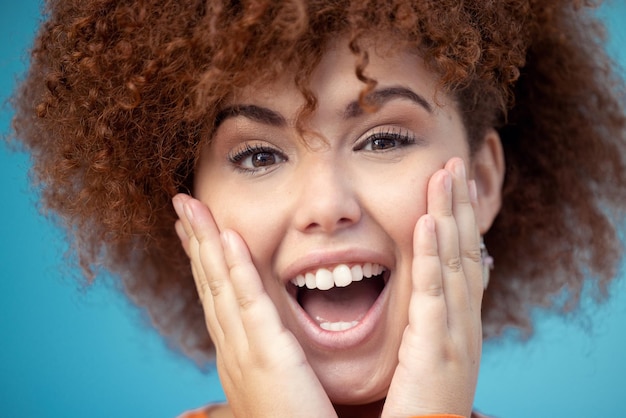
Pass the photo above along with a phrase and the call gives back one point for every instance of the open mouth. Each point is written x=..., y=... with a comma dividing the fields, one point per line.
x=338, y=298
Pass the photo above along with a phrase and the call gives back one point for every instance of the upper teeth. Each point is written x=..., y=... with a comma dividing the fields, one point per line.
x=340, y=276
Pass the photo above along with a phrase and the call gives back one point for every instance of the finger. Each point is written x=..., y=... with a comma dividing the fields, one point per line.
x=440, y=206
x=258, y=314
x=185, y=233
x=183, y=226
x=189, y=242
x=427, y=310
x=213, y=277
x=182, y=235
x=215, y=330
x=191, y=245
x=203, y=287
x=468, y=235
x=478, y=284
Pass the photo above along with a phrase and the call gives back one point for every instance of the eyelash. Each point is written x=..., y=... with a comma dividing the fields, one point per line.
x=237, y=157
x=401, y=138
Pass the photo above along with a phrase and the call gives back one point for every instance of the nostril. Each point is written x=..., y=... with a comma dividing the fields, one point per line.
x=325, y=209
x=330, y=226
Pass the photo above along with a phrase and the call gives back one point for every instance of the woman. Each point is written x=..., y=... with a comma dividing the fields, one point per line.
x=136, y=100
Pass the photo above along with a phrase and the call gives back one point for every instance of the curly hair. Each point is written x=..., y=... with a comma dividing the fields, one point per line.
x=121, y=94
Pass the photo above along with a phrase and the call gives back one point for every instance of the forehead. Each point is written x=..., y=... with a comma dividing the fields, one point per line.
x=335, y=80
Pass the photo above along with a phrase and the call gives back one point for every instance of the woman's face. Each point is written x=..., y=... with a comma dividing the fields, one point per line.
x=335, y=206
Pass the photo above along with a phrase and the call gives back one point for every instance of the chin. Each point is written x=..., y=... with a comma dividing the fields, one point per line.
x=355, y=381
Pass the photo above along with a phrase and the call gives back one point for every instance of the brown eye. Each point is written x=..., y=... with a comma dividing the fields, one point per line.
x=256, y=157
x=383, y=143
x=262, y=159
x=386, y=140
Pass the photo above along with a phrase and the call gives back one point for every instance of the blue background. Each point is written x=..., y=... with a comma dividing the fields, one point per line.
x=72, y=352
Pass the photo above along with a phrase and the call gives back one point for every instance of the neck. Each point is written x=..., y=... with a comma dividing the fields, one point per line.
x=372, y=410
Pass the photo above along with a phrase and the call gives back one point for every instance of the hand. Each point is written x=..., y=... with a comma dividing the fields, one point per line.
x=262, y=367
x=440, y=352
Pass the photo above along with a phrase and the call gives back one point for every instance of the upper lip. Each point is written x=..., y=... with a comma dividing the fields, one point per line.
x=318, y=259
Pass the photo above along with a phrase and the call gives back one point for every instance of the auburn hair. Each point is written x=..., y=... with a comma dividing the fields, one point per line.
x=121, y=94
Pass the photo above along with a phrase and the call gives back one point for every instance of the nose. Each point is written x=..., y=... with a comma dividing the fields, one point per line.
x=327, y=200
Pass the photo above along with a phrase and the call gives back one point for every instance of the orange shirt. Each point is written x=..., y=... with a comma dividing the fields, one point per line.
x=204, y=413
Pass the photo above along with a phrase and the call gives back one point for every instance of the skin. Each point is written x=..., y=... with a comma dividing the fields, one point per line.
x=335, y=196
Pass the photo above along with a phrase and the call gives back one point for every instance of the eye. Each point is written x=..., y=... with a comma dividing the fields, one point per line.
x=386, y=140
x=256, y=157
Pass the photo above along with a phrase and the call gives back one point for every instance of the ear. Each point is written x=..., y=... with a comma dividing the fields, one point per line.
x=487, y=168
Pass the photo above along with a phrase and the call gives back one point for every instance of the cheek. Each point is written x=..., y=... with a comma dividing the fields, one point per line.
x=233, y=205
x=258, y=221
x=397, y=205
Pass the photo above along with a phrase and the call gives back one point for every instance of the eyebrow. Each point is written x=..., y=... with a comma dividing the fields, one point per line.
x=382, y=96
x=256, y=113
x=354, y=109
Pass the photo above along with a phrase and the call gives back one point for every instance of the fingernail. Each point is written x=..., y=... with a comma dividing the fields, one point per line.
x=473, y=193
x=188, y=211
x=459, y=169
x=177, y=203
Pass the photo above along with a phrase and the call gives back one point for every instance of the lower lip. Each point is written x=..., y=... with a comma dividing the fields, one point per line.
x=346, y=339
